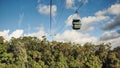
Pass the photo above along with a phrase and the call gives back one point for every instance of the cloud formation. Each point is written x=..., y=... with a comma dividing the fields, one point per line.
x=19, y=32
x=110, y=35
x=70, y=4
x=101, y=16
x=114, y=42
x=45, y=9
x=114, y=9
x=37, y=34
x=74, y=36
x=4, y=33
x=15, y=34
x=112, y=24
x=94, y=19
x=68, y=36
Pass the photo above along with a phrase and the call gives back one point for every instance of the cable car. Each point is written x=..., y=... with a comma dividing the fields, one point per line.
x=76, y=24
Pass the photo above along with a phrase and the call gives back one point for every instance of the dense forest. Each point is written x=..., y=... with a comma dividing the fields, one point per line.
x=30, y=52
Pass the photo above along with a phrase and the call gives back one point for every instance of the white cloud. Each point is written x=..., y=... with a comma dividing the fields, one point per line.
x=74, y=36
x=112, y=37
x=68, y=36
x=114, y=9
x=88, y=22
x=4, y=34
x=38, y=34
x=113, y=23
x=15, y=34
x=114, y=42
x=109, y=35
x=99, y=17
x=100, y=13
x=86, y=28
x=45, y=9
x=94, y=19
x=70, y=3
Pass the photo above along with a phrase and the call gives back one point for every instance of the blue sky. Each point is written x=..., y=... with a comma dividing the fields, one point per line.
x=11, y=10
x=32, y=17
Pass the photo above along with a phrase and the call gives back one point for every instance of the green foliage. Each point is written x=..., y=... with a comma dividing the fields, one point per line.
x=30, y=52
x=1, y=40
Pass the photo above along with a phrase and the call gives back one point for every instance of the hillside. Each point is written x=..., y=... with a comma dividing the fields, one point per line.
x=30, y=52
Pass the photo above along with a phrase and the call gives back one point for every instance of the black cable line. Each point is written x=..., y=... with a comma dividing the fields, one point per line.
x=59, y=18
x=81, y=4
x=50, y=16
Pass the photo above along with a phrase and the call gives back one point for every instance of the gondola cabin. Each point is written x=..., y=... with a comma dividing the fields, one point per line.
x=76, y=24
